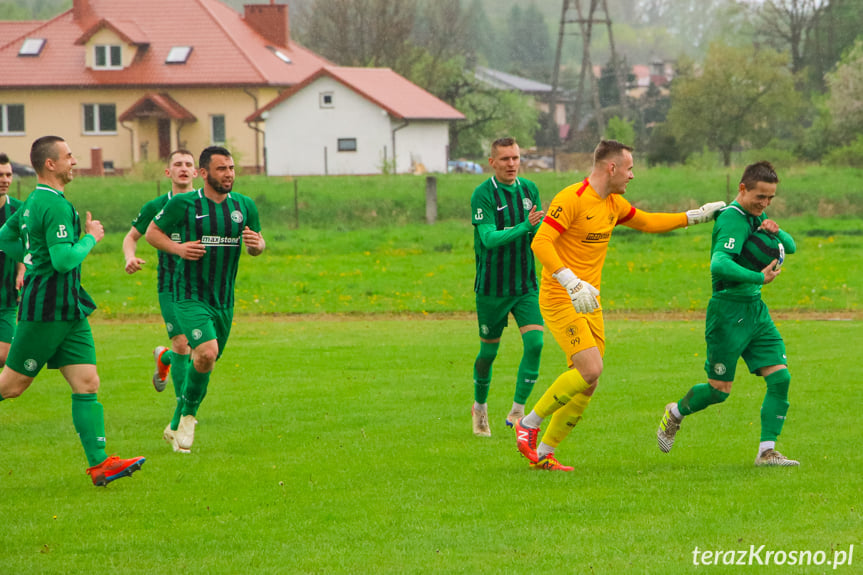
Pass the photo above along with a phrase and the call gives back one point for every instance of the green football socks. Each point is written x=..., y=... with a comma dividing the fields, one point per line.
x=700, y=397
x=89, y=422
x=528, y=369
x=194, y=390
x=178, y=377
x=482, y=370
x=775, y=405
x=167, y=356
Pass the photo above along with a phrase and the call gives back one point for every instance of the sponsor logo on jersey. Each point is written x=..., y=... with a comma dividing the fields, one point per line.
x=220, y=241
x=597, y=237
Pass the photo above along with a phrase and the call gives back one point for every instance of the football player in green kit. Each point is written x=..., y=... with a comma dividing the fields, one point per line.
x=11, y=271
x=210, y=226
x=181, y=170
x=506, y=213
x=738, y=322
x=53, y=329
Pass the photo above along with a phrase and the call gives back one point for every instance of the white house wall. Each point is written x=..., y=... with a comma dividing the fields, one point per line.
x=302, y=137
x=422, y=142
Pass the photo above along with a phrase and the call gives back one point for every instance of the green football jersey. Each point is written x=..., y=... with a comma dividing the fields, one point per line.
x=508, y=270
x=731, y=230
x=48, y=219
x=219, y=227
x=167, y=263
x=8, y=266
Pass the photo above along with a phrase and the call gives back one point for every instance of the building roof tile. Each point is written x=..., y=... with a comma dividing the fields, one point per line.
x=398, y=96
x=227, y=51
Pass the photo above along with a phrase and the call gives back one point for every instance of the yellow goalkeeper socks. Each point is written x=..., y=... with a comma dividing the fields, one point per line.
x=564, y=420
x=568, y=385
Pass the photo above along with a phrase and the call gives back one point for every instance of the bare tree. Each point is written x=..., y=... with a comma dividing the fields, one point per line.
x=787, y=24
x=358, y=32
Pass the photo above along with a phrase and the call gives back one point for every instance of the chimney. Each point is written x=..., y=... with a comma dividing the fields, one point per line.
x=269, y=20
x=81, y=11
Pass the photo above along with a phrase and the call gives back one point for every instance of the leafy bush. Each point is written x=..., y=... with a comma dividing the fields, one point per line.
x=850, y=155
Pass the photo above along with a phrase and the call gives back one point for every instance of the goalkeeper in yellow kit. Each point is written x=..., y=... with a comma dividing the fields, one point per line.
x=571, y=244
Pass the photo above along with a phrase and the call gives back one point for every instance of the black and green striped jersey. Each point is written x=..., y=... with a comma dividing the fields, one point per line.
x=8, y=266
x=167, y=262
x=219, y=227
x=47, y=219
x=508, y=270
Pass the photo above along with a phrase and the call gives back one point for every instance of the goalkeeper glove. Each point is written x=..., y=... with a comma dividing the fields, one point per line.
x=583, y=294
x=704, y=214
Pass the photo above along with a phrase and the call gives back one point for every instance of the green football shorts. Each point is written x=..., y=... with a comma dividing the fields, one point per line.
x=737, y=329
x=201, y=322
x=492, y=313
x=166, y=304
x=52, y=343
x=8, y=318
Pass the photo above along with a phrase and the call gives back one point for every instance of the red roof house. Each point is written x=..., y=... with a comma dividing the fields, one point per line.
x=135, y=79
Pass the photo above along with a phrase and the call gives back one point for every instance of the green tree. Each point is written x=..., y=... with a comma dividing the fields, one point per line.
x=620, y=130
x=742, y=96
x=832, y=35
x=529, y=43
x=481, y=35
x=845, y=100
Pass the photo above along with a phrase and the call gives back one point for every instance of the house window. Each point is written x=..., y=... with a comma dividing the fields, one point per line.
x=326, y=99
x=217, y=129
x=100, y=119
x=347, y=144
x=12, y=119
x=32, y=47
x=178, y=55
x=108, y=57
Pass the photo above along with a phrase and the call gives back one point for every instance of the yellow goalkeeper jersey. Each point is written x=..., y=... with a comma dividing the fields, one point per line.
x=576, y=231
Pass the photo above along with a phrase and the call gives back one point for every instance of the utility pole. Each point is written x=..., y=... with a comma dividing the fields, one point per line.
x=573, y=13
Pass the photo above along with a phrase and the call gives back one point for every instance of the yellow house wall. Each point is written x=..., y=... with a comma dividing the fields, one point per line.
x=60, y=112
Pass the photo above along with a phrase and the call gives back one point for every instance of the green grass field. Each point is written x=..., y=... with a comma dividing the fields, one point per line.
x=336, y=434
x=345, y=446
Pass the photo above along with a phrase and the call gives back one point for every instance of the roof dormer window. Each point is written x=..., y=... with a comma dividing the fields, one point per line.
x=32, y=47
x=178, y=55
x=280, y=55
x=107, y=57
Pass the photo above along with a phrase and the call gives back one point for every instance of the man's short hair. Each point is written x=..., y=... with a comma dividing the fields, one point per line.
x=181, y=151
x=759, y=172
x=43, y=149
x=608, y=148
x=502, y=143
x=204, y=160
x=4, y=159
